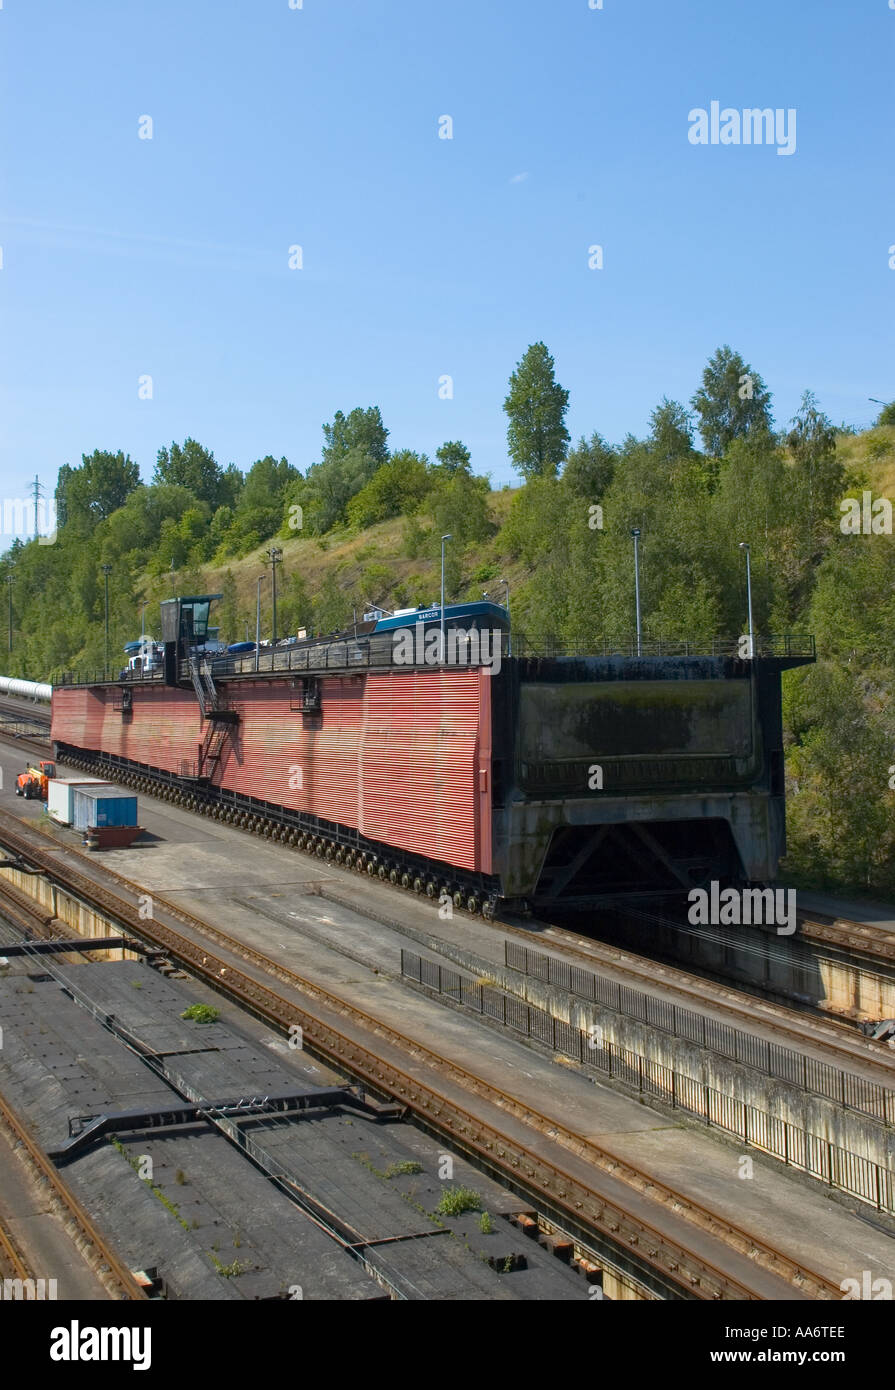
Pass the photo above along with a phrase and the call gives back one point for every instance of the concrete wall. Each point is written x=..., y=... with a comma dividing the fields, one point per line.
x=856, y=1133
x=83, y=920
x=785, y=965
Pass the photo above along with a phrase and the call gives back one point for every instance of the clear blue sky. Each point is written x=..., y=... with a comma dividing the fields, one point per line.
x=422, y=257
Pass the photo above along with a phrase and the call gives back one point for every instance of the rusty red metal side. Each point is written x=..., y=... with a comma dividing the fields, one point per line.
x=166, y=728
x=403, y=756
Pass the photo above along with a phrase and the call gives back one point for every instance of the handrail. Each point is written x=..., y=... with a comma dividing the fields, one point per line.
x=379, y=650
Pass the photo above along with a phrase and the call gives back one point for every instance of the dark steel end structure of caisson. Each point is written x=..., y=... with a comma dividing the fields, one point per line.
x=539, y=780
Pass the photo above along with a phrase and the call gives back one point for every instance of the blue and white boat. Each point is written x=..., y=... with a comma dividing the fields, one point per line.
x=465, y=615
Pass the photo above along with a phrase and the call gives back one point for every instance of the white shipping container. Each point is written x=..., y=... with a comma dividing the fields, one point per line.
x=59, y=795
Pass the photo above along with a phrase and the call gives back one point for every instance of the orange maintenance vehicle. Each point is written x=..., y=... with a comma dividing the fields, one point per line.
x=32, y=783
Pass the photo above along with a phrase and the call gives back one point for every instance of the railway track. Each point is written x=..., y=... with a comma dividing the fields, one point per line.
x=867, y=942
x=12, y=1262
x=847, y=1047
x=115, y=1275
x=117, y=1278
x=732, y=1262
x=871, y=943
x=25, y=914
x=841, y=1040
x=38, y=713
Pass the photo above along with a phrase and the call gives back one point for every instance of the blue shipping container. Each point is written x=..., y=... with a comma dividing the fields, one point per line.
x=102, y=806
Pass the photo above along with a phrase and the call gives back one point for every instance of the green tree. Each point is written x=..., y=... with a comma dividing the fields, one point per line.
x=396, y=489
x=536, y=405
x=671, y=434
x=355, y=447
x=135, y=528
x=296, y=605
x=332, y=606
x=459, y=507
x=749, y=504
x=589, y=468
x=228, y=609
x=732, y=403
x=231, y=485
x=259, y=512
x=360, y=432
x=195, y=468
x=453, y=457
x=818, y=470
x=87, y=495
x=415, y=538
x=840, y=826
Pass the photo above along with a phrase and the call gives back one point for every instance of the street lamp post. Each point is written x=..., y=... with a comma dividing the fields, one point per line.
x=506, y=585
x=261, y=579
x=143, y=607
x=275, y=556
x=107, y=570
x=9, y=583
x=442, y=624
x=635, y=532
x=744, y=545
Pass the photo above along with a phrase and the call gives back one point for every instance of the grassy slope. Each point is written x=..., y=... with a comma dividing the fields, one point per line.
x=868, y=457
x=871, y=456
x=348, y=555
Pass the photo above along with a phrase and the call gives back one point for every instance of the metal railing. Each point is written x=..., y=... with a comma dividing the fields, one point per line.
x=381, y=650
x=779, y=645
x=106, y=677
x=796, y=1147
x=782, y=1063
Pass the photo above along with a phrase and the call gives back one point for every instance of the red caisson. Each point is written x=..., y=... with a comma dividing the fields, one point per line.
x=545, y=781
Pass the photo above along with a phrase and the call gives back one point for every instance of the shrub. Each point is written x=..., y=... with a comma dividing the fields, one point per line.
x=201, y=1013
x=456, y=1200
x=409, y=1165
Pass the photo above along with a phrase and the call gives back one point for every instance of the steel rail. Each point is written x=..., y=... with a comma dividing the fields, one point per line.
x=119, y=1275
x=873, y=943
x=823, y=1031
x=13, y=1257
x=869, y=940
x=509, y=1154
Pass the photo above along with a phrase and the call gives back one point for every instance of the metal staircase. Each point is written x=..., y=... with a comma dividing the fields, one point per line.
x=220, y=715
x=212, y=749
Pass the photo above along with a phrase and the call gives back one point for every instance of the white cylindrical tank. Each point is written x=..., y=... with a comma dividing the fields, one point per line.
x=25, y=690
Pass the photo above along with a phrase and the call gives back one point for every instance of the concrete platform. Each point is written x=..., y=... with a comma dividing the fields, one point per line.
x=26, y=1215
x=260, y=893
x=211, y=1222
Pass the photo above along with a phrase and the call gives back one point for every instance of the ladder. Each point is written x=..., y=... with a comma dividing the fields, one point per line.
x=219, y=713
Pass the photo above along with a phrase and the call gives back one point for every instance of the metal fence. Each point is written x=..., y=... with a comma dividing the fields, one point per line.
x=783, y=1063
x=379, y=650
x=596, y=644
x=819, y=1158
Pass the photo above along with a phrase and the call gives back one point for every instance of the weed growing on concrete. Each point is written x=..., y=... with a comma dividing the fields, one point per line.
x=394, y=1170
x=456, y=1200
x=201, y=1013
x=156, y=1191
